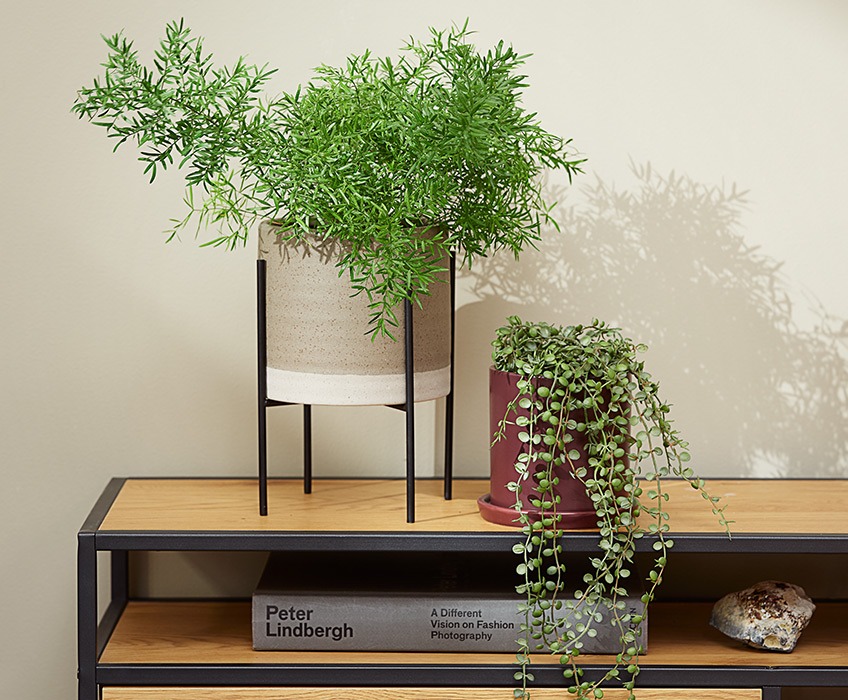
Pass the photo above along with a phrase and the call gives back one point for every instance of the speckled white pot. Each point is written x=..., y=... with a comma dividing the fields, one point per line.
x=319, y=347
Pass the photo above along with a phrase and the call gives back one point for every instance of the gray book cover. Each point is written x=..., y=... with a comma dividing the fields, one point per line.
x=396, y=601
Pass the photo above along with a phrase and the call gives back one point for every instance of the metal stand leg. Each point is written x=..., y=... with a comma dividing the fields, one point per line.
x=263, y=462
x=262, y=359
x=449, y=397
x=264, y=402
x=307, y=448
x=410, y=411
x=771, y=693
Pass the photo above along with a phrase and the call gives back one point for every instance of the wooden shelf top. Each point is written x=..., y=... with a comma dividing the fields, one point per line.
x=771, y=507
x=214, y=632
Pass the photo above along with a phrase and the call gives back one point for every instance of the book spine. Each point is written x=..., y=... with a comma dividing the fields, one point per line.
x=301, y=622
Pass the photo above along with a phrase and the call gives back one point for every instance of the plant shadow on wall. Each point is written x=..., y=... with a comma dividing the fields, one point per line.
x=756, y=393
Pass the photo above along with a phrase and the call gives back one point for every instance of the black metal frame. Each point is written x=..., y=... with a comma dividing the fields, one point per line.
x=92, y=637
x=456, y=675
x=338, y=541
x=408, y=406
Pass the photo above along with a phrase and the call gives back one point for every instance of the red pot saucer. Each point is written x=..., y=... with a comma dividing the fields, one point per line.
x=501, y=515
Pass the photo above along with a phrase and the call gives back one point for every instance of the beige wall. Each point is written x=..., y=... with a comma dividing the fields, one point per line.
x=125, y=356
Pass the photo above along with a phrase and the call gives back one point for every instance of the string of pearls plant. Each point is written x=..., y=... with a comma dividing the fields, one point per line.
x=587, y=397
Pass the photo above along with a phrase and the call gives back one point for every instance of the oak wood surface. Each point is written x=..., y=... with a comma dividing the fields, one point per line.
x=408, y=694
x=210, y=632
x=756, y=506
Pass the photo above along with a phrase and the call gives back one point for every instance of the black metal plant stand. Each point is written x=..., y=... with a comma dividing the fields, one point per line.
x=408, y=406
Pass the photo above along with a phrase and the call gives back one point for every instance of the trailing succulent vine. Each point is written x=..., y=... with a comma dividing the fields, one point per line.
x=365, y=153
x=586, y=397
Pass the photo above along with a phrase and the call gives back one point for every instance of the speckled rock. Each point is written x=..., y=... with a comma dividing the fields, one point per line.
x=769, y=615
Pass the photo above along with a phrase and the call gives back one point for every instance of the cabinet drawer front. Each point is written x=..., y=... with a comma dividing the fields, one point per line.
x=410, y=694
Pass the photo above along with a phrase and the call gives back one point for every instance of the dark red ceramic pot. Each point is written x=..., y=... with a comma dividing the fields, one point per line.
x=498, y=506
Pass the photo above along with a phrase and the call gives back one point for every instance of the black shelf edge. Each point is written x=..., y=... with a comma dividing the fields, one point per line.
x=755, y=543
x=306, y=541
x=460, y=675
x=251, y=540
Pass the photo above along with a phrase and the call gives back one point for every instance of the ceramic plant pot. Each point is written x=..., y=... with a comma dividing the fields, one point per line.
x=498, y=506
x=319, y=349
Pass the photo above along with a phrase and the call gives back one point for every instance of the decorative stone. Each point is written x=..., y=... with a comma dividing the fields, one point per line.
x=770, y=615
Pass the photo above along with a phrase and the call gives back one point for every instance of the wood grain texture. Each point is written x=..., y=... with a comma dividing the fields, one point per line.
x=767, y=506
x=408, y=694
x=206, y=632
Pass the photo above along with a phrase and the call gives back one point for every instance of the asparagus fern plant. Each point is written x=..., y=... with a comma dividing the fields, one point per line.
x=365, y=152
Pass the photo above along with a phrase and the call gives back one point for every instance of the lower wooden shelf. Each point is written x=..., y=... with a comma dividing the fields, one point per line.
x=410, y=694
x=213, y=632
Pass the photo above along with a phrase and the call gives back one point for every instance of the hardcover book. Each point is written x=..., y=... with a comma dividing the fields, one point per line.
x=397, y=601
